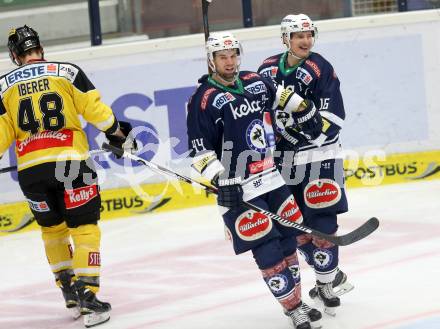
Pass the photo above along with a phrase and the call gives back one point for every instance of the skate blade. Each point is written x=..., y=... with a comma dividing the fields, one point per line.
x=330, y=311
x=94, y=319
x=76, y=314
x=343, y=288
x=316, y=324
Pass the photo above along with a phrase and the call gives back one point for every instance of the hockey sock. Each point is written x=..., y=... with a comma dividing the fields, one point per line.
x=306, y=247
x=293, y=265
x=86, y=258
x=281, y=283
x=57, y=246
x=326, y=258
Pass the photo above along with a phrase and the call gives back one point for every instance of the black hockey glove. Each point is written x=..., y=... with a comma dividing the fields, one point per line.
x=287, y=146
x=309, y=120
x=230, y=196
x=127, y=143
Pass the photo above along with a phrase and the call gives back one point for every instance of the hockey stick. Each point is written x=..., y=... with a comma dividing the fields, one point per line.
x=361, y=232
x=13, y=168
x=205, y=7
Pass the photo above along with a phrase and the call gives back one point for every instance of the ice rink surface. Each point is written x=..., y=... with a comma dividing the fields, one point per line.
x=176, y=271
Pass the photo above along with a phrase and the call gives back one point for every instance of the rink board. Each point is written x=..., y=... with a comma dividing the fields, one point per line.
x=368, y=171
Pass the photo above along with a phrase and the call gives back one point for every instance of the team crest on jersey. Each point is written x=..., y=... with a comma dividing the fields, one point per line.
x=304, y=75
x=257, y=87
x=278, y=283
x=322, y=193
x=252, y=225
x=222, y=99
x=283, y=119
x=323, y=258
x=256, y=137
x=289, y=209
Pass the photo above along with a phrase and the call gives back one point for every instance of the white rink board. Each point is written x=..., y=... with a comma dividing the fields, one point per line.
x=389, y=66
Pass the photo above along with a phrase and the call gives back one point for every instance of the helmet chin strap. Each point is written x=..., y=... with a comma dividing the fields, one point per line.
x=222, y=79
x=290, y=51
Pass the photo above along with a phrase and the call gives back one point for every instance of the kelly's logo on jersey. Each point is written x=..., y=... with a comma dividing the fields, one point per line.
x=222, y=99
x=245, y=109
x=79, y=196
x=256, y=88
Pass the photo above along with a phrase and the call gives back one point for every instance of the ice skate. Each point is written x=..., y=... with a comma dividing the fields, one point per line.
x=69, y=293
x=93, y=310
x=313, y=314
x=299, y=318
x=328, y=297
x=340, y=286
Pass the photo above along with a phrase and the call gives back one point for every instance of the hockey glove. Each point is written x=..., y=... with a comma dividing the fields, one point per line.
x=308, y=121
x=127, y=143
x=287, y=146
x=230, y=196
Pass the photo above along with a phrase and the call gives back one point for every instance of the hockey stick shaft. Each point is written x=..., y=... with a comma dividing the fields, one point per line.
x=14, y=168
x=205, y=7
x=361, y=232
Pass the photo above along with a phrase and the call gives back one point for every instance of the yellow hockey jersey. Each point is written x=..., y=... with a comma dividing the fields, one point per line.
x=40, y=107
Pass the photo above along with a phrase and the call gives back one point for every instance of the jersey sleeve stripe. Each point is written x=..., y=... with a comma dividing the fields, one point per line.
x=332, y=117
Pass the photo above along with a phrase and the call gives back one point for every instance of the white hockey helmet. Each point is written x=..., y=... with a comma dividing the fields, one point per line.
x=296, y=23
x=221, y=41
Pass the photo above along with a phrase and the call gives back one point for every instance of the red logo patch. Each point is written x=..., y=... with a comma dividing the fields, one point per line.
x=322, y=193
x=250, y=76
x=252, y=225
x=79, y=196
x=289, y=210
x=259, y=166
x=205, y=98
x=270, y=60
x=314, y=67
x=44, y=140
x=227, y=42
x=51, y=68
x=94, y=258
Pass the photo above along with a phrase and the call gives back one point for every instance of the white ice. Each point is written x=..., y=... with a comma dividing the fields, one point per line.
x=174, y=270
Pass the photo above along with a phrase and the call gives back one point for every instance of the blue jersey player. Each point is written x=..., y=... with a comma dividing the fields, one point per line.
x=315, y=175
x=230, y=135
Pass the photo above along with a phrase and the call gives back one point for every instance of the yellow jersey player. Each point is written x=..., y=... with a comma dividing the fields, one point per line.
x=40, y=108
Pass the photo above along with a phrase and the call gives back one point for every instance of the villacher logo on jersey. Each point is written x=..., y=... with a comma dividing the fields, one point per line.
x=45, y=139
x=245, y=109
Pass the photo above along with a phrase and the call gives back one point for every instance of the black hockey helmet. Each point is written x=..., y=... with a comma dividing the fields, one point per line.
x=21, y=40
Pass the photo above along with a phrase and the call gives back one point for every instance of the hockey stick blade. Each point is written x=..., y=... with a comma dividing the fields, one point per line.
x=361, y=232
x=358, y=234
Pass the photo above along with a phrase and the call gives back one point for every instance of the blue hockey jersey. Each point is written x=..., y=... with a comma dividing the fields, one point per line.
x=313, y=78
x=230, y=132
